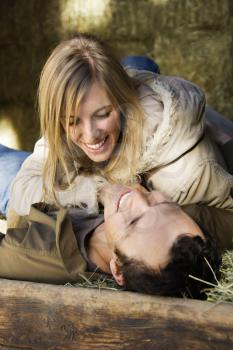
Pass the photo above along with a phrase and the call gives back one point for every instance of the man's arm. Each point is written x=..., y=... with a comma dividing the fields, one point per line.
x=227, y=152
x=218, y=222
x=220, y=129
x=46, y=251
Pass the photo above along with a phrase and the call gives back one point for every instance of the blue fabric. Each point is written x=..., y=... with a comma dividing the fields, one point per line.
x=10, y=163
x=141, y=63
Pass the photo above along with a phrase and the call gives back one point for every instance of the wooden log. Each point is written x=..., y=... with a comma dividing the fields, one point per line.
x=40, y=316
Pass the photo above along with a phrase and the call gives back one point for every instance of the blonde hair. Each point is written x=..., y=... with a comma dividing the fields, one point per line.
x=68, y=73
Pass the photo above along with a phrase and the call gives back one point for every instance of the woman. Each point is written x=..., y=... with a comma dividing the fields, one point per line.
x=100, y=123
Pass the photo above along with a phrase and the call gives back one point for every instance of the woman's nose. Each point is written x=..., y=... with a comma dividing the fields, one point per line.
x=89, y=132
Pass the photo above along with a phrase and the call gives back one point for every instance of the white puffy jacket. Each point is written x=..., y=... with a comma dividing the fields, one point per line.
x=177, y=159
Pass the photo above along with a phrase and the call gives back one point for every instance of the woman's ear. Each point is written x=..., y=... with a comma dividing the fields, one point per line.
x=116, y=271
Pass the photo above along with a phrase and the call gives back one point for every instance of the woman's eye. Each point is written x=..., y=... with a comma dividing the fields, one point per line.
x=102, y=116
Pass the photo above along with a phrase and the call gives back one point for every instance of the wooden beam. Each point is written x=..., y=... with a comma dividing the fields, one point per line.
x=40, y=316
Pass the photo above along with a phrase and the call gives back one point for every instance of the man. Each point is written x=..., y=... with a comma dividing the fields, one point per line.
x=155, y=251
x=156, y=245
x=146, y=242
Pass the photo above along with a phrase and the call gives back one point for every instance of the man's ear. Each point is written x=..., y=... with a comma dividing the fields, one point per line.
x=116, y=271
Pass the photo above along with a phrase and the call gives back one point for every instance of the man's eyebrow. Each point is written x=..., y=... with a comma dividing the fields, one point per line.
x=130, y=231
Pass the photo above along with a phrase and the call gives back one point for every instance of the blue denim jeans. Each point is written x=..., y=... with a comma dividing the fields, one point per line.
x=10, y=163
x=140, y=62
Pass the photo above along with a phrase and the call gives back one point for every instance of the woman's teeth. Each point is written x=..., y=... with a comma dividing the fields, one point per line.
x=96, y=145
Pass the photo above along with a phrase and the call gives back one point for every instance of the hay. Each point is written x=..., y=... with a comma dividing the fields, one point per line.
x=96, y=281
x=223, y=291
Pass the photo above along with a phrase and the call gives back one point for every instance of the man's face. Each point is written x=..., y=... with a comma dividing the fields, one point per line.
x=144, y=225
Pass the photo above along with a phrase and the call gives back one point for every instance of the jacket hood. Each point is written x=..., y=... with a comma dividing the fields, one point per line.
x=177, y=126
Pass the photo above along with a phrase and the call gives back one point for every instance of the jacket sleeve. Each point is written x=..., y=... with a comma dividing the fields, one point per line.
x=227, y=152
x=210, y=184
x=27, y=187
x=45, y=251
x=199, y=176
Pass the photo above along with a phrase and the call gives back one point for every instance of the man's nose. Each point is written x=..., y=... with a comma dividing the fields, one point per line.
x=138, y=200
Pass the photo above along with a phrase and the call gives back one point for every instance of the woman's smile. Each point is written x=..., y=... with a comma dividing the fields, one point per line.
x=97, y=147
x=97, y=128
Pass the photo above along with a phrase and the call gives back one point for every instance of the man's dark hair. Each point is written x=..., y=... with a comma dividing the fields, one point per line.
x=188, y=256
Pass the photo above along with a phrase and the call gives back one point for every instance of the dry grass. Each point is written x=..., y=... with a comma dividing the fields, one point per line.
x=96, y=281
x=223, y=291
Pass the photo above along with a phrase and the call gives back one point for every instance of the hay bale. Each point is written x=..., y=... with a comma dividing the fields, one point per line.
x=28, y=30
x=202, y=57
x=192, y=39
x=21, y=122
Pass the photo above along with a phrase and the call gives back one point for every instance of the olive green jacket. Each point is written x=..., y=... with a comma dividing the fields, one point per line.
x=219, y=223
x=47, y=250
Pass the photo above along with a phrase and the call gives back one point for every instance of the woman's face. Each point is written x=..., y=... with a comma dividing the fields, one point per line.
x=97, y=127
